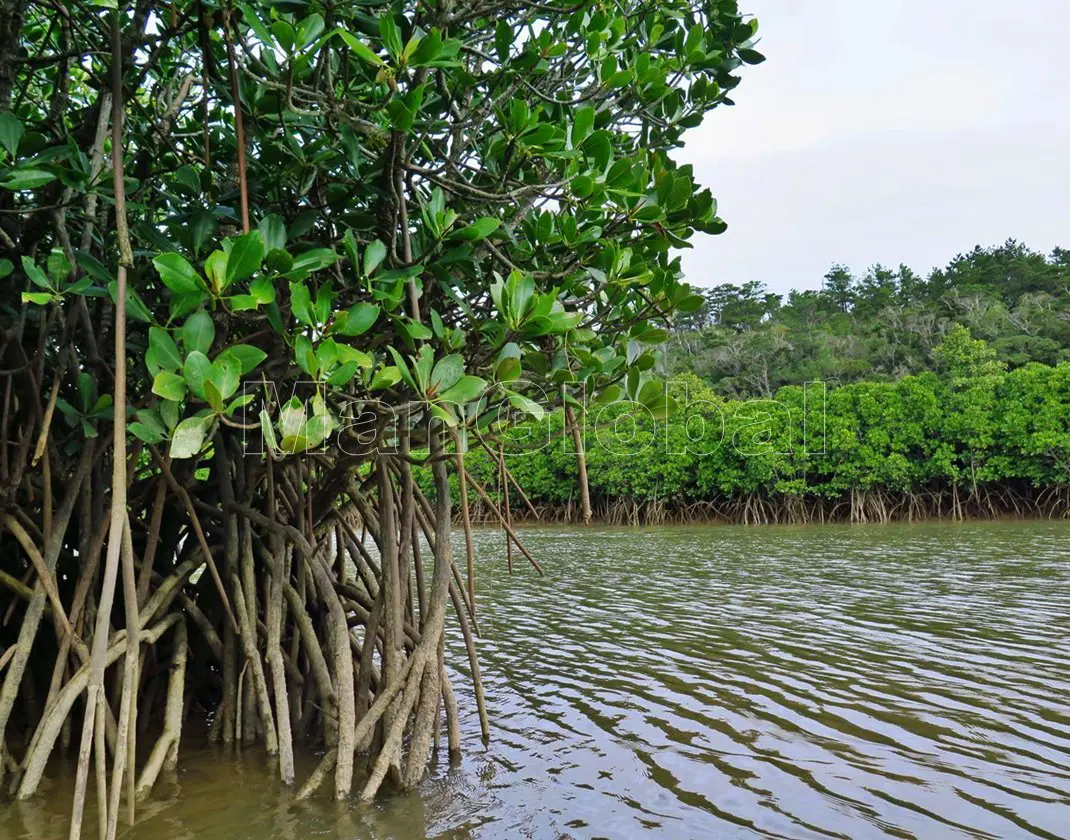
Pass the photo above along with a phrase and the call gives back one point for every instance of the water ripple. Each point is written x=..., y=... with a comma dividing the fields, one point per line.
x=787, y=682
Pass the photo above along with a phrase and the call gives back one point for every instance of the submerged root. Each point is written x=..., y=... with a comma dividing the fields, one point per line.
x=335, y=643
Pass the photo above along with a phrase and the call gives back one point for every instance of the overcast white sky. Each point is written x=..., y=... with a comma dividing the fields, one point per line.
x=888, y=131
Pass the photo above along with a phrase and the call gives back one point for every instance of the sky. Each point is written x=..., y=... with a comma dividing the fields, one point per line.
x=887, y=131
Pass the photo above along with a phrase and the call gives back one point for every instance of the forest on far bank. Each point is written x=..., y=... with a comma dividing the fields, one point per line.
x=746, y=341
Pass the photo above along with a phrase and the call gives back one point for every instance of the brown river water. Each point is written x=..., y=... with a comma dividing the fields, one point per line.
x=875, y=681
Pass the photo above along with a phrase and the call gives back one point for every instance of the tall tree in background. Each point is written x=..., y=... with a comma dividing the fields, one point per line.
x=881, y=325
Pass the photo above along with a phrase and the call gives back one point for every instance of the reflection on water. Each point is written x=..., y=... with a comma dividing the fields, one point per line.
x=900, y=681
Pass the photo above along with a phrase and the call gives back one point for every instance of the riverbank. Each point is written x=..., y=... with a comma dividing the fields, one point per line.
x=1002, y=504
x=963, y=445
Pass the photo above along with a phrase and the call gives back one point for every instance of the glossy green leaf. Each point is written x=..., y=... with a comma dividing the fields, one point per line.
x=359, y=48
x=169, y=385
x=478, y=230
x=247, y=356
x=196, y=370
x=245, y=257
x=468, y=388
x=177, y=274
x=11, y=132
x=357, y=320
x=198, y=333
x=164, y=348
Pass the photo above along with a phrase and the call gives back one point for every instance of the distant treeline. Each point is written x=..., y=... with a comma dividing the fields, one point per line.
x=885, y=324
x=968, y=439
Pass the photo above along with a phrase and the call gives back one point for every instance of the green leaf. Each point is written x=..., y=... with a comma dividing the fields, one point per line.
x=386, y=377
x=445, y=414
x=301, y=303
x=356, y=320
x=284, y=33
x=240, y=402
x=145, y=433
x=26, y=179
x=292, y=418
x=503, y=39
x=59, y=268
x=401, y=115
x=279, y=261
x=526, y=405
x=183, y=304
x=151, y=418
x=374, y=255
x=196, y=371
x=748, y=56
x=188, y=437
x=609, y=394
x=410, y=47
x=309, y=29
x=318, y=429
x=479, y=229
x=247, y=356
x=164, y=348
x=213, y=396
x=245, y=257
x=262, y=289
x=600, y=147
x=390, y=34
x=305, y=356
x=327, y=354
x=40, y=298
x=359, y=48
x=252, y=20
x=11, y=132
x=467, y=389
x=202, y=225
x=428, y=49
x=198, y=332
x=268, y=430
x=582, y=186
x=582, y=124
x=346, y=354
x=324, y=303
x=446, y=372
x=135, y=306
x=226, y=375
x=422, y=365
x=187, y=177
x=169, y=411
x=6, y=267
x=169, y=385
x=415, y=330
x=215, y=269
x=177, y=274
x=521, y=289
x=507, y=370
x=34, y=272
x=273, y=232
x=342, y=375
x=315, y=260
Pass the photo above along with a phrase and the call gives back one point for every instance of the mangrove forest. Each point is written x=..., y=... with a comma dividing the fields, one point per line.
x=261, y=264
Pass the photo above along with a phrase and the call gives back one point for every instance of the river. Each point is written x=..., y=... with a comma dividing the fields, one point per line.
x=877, y=681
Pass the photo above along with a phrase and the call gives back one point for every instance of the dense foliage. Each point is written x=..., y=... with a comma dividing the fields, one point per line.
x=967, y=439
x=747, y=341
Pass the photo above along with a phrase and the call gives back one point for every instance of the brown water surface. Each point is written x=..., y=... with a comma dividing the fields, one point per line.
x=900, y=681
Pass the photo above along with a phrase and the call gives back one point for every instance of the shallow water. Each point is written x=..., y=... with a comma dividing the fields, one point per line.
x=898, y=681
